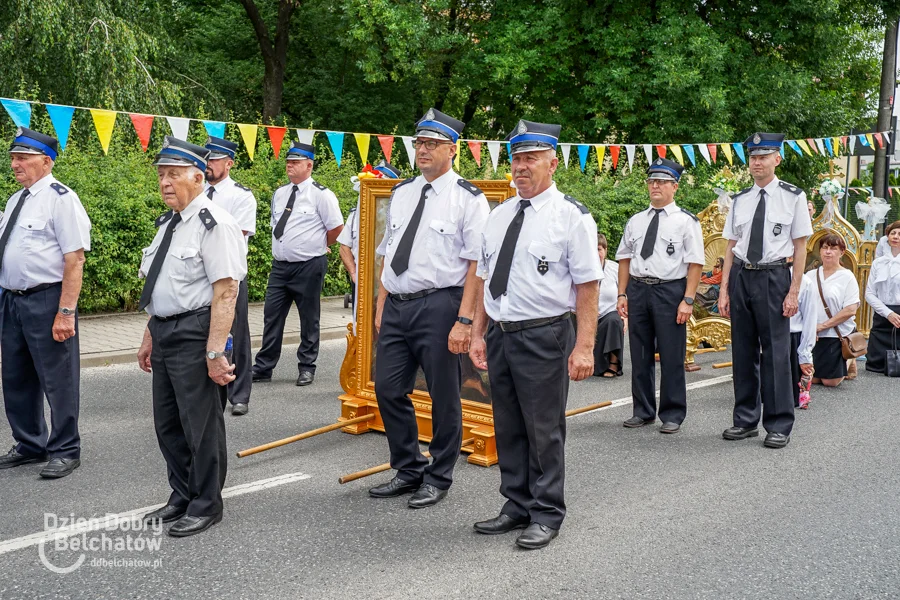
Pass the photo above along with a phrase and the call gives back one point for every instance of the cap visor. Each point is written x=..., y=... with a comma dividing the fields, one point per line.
x=171, y=161
x=24, y=150
x=432, y=135
x=297, y=157
x=662, y=176
x=520, y=148
x=218, y=155
x=763, y=151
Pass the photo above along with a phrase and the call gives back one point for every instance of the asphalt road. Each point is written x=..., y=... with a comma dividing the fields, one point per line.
x=650, y=516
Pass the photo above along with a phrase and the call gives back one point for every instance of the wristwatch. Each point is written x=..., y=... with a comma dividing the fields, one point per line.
x=464, y=320
x=689, y=300
x=66, y=312
x=213, y=355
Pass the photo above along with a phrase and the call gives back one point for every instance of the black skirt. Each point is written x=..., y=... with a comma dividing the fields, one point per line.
x=828, y=361
x=880, y=341
x=610, y=338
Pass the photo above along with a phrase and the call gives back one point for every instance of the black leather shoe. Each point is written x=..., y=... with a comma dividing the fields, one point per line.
x=635, y=422
x=257, y=378
x=14, y=459
x=502, y=524
x=740, y=433
x=426, y=495
x=58, y=468
x=776, y=440
x=393, y=488
x=166, y=514
x=670, y=428
x=305, y=378
x=536, y=536
x=239, y=409
x=188, y=525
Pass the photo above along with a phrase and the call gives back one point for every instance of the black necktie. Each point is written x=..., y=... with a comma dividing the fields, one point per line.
x=755, y=250
x=650, y=238
x=500, y=278
x=10, y=223
x=210, y=192
x=279, y=228
x=400, y=262
x=157, y=263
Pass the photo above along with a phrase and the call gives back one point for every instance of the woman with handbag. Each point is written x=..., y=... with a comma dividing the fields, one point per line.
x=883, y=294
x=838, y=300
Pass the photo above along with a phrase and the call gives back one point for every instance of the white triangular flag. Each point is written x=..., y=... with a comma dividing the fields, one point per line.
x=494, y=149
x=648, y=150
x=407, y=143
x=887, y=138
x=704, y=150
x=852, y=143
x=566, y=149
x=629, y=149
x=305, y=136
x=820, y=146
x=179, y=127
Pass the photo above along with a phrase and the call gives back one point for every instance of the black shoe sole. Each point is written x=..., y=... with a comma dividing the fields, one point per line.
x=239, y=414
x=776, y=446
x=644, y=424
x=21, y=463
x=58, y=474
x=499, y=531
x=394, y=494
x=670, y=431
x=184, y=534
x=528, y=546
x=744, y=436
x=304, y=383
x=430, y=503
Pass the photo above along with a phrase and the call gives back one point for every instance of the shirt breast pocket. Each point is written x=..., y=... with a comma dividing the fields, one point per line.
x=35, y=231
x=672, y=247
x=442, y=238
x=186, y=265
x=394, y=226
x=780, y=221
x=545, y=256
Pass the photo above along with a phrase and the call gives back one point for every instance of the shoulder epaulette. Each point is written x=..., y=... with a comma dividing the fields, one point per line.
x=690, y=214
x=352, y=210
x=241, y=187
x=208, y=220
x=791, y=188
x=584, y=209
x=318, y=185
x=59, y=188
x=469, y=187
x=164, y=218
x=404, y=182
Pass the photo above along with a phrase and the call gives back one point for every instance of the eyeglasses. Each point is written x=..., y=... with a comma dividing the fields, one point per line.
x=658, y=182
x=428, y=144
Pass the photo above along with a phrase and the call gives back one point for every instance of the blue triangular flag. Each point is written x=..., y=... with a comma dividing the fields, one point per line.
x=795, y=147
x=862, y=139
x=61, y=117
x=829, y=146
x=509, y=151
x=19, y=110
x=215, y=128
x=582, y=155
x=689, y=150
x=739, y=150
x=336, y=139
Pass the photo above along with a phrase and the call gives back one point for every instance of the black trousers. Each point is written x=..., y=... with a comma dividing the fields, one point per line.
x=652, y=327
x=239, y=389
x=796, y=373
x=35, y=366
x=882, y=338
x=761, y=348
x=188, y=411
x=414, y=333
x=529, y=375
x=297, y=283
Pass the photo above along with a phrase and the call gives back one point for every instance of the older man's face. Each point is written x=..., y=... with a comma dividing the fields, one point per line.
x=533, y=171
x=299, y=170
x=28, y=169
x=179, y=185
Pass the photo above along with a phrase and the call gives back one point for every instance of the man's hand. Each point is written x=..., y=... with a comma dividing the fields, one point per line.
x=478, y=353
x=63, y=327
x=724, y=303
x=458, y=342
x=791, y=303
x=894, y=319
x=220, y=371
x=622, y=307
x=378, y=310
x=821, y=327
x=143, y=354
x=685, y=311
x=807, y=369
x=581, y=364
x=353, y=277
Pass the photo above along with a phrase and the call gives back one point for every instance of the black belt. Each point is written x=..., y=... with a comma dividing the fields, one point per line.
x=35, y=289
x=196, y=311
x=419, y=294
x=511, y=326
x=654, y=280
x=781, y=264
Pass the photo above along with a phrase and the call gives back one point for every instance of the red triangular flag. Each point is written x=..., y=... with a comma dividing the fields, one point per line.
x=276, y=136
x=712, y=151
x=844, y=141
x=661, y=150
x=387, y=144
x=475, y=149
x=142, y=126
x=614, y=153
x=891, y=191
x=878, y=139
x=812, y=145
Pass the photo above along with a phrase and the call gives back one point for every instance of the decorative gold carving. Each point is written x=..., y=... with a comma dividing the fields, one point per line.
x=348, y=367
x=479, y=444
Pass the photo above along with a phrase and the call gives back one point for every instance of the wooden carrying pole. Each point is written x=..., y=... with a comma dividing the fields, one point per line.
x=721, y=365
x=303, y=436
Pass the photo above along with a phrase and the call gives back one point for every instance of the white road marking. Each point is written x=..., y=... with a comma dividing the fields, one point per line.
x=690, y=386
x=102, y=522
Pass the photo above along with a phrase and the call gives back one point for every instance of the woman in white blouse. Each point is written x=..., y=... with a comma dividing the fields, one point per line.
x=841, y=291
x=883, y=294
x=610, y=327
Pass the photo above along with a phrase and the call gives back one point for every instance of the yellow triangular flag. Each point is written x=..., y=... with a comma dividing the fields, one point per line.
x=362, y=142
x=104, y=121
x=726, y=148
x=871, y=141
x=455, y=158
x=601, y=152
x=676, y=150
x=248, y=132
x=836, y=146
x=804, y=146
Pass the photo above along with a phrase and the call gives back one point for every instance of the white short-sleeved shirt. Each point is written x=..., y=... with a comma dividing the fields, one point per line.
x=349, y=235
x=448, y=236
x=679, y=243
x=841, y=290
x=238, y=201
x=316, y=212
x=52, y=223
x=805, y=321
x=882, y=248
x=787, y=219
x=557, y=231
x=199, y=255
x=883, y=288
x=609, y=288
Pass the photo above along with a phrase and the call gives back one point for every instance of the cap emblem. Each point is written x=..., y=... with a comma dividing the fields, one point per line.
x=19, y=131
x=429, y=116
x=658, y=161
x=756, y=139
x=522, y=127
x=165, y=142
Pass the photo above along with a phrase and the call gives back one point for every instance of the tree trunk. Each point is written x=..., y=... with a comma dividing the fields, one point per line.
x=274, y=53
x=888, y=85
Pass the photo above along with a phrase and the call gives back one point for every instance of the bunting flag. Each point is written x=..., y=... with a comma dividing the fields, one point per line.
x=248, y=133
x=811, y=143
x=781, y=151
x=19, y=111
x=648, y=152
x=305, y=136
x=689, y=150
x=215, y=128
x=870, y=141
x=582, y=155
x=362, y=142
x=475, y=149
x=601, y=153
x=387, y=146
x=805, y=146
x=661, y=150
x=411, y=153
x=276, y=137
x=713, y=152
x=852, y=144
x=143, y=124
x=844, y=141
x=566, y=150
x=836, y=146
x=509, y=151
x=614, y=155
x=739, y=149
x=61, y=117
x=676, y=152
x=863, y=140
x=458, y=152
x=704, y=152
x=877, y=137
x=179, y=126
x=887, y=137
x=494, y=151
x=828, y=146
x=820, y=146
x=795, y=147
x=336, y=141
x=728, y=156
x=629, y=150
x=104, y=121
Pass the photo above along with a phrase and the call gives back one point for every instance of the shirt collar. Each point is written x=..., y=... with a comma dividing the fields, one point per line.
x=225, y=183
x=41, y=184
x=770, y=189
x=669, y=208
x=541, y=200
x=441, y=183
x=193, y=208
